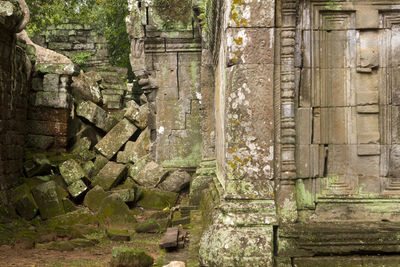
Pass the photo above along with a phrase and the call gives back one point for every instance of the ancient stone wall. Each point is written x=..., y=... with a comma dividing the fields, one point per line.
x=15, y=68
x=166, y=57
x=73, y=39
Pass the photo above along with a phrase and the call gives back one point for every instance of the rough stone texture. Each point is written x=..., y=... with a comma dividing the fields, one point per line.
x=94, y=198
x=150, y=175
x=24, y=203
x=114, y=213
x=175, y=182
x=15, y=68
x=71, y=171
x=130, y=257
x=110, y=175
x=77, y=188
x=135, y=150
x=157, y=199
x=138, y=115
x=48, y=199
x=115, y=139
x=86, y=86
x=96, y=115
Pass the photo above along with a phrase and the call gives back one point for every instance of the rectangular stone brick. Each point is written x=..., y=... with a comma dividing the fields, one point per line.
x=116, y=138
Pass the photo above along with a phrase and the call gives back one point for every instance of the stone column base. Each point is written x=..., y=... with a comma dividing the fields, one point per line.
x=241, y=234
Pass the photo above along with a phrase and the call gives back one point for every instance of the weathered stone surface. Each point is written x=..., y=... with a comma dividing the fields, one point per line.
x=96, y=115
x=48, y=200
x=130, y=257
x=98, y=163
x=71, y=171
x=24, y=203
x=52, y=99
x=69, y=206
x=170, y=239
x=86, y=87
x=138, y=115
x=134, y=169
x=126, y=195
x=81, y=144
x=135, y=150
x=152, y=226
x=115, y=139
x=38, y=165
x=175, y=182
x=151, y=175
x=94, y=198
x=110, y=175
x=157, y=199
x=114, y=213
x=118, y=235
x=77, y=188
x=39, y=142
x=81, y=216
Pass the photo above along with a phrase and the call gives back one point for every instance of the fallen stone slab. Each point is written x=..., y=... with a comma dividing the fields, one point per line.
x=71, y=171
x=157, y=199
x=126, y=195
x=115, y=138
x=134, y=151
x=24, y=203
x=170, y=238
x=96, y=115
x=77, y=188
x=151, y=175
x=176, y=181
x=94, y=198
x=81, y=144
x=118, y=234
x=80, y=216
x=86, y=86
x=130, y=257
x=134, y=169
x=114, y=213
x=99, y=162
x=48, y=200
x=38, y=165
x=138, y=115
x=110, y=175
x=153, y=226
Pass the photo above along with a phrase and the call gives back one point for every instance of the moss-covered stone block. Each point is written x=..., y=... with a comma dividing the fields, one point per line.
x=134, y=169
x=118, y=234
x=114, y=213
x=69, y=206
x=151, y=175
x=94, y=198
x=48, y=200
x=153, y=226
x=130, y=257
x=110, y=175
x=126, y=195
x=59, y=246
x=157, y=199
x=80, y=216
x=71, y=171
x=77, y=188
x=24, y=203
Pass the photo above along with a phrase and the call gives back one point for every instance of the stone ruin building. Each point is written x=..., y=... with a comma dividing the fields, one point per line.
x=286, y=111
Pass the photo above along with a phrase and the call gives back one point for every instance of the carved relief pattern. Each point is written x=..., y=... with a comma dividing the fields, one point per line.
x=288, y=132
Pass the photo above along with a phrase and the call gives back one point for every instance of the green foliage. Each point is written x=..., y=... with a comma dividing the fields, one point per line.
x=81, y=58
x=106, y=16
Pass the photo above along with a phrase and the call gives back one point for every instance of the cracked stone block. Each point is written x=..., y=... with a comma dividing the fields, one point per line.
x=135, y=150
x=71, y=171
x=24, y=203
x=110, y=175
x=77, y=188
x=115, y=139
x=48, y=200
x=138, y=115
x=151, y=175
x=96, y=115
x=175, y=182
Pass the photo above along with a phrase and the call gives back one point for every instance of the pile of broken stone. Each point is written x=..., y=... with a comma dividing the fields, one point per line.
x=107, y=173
